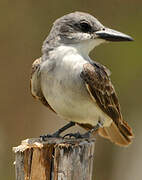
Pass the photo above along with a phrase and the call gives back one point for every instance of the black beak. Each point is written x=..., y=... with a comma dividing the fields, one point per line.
x=112, y=35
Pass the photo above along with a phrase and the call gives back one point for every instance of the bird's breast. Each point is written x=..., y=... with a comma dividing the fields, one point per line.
x=62, y=85
x=66, y=92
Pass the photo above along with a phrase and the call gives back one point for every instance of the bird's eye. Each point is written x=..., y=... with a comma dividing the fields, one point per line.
x=85, y=27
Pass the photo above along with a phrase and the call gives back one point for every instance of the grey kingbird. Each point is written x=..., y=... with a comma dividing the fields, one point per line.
x=75, y=87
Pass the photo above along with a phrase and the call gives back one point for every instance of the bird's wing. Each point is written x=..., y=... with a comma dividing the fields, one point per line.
x=35, y=85
x=101, y=90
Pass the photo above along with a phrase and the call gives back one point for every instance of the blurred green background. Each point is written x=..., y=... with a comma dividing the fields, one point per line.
x=23, y=27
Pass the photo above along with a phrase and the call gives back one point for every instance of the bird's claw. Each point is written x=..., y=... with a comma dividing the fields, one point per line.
x=44, y=137
x=77, y=135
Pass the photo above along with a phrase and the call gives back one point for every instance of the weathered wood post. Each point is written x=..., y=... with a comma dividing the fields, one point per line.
x=55, y=159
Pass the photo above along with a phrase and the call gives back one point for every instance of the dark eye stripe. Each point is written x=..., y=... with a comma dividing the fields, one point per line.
x=85, y=27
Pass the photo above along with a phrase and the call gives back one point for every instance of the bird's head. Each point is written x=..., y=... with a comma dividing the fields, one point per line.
x=83, y=30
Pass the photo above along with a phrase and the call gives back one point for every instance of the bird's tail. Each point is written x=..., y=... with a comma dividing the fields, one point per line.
x=120, y=134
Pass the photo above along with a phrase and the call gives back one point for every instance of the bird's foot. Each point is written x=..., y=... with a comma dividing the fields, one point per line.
x=54, y=135
x=77, y=135
x=87, y=134
x=57, y=133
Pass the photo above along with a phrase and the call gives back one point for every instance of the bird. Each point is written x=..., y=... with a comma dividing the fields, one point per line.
x=75, y=87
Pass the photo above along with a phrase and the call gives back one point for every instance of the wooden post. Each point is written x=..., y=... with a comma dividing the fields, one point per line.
x=55, y=159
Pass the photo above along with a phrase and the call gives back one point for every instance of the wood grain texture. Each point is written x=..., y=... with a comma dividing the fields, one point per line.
x=55, y=159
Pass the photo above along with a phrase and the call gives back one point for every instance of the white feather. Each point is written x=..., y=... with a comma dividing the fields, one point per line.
x=64, y=89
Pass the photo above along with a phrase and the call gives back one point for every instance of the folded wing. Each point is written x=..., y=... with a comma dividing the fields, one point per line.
x=35, y=84
x=101, y=90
